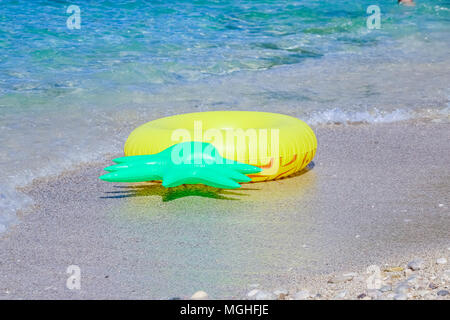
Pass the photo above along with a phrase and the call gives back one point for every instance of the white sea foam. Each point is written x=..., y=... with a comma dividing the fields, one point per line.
x=338, y=116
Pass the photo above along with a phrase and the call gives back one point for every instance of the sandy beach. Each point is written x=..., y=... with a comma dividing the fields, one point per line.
x=374, y=194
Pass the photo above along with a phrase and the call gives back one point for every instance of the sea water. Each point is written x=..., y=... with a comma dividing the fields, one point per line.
x=71, y=94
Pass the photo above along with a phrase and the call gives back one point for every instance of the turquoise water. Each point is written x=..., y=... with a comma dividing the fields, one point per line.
x=130, y=45
x=71, y=96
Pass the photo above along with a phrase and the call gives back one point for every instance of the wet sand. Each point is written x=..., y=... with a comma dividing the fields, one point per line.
x=375, y=193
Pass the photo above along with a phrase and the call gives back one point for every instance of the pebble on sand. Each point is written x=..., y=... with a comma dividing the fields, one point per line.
x=341, y=295
x=433, y=286
x=374, y=293
x=281, y=291
x=412, y=280
x=386, y=288
x=350, y=274
x=393, y=269
x=341, y=278
x=402, y=288
x=281, y=294
x=442, y=293
x=200, y=295
x=416, y=264
x=252, y=293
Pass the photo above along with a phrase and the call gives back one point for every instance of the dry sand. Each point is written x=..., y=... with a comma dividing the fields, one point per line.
x=376, y=194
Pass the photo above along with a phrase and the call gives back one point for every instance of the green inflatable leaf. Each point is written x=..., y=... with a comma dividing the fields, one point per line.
x=184, y=163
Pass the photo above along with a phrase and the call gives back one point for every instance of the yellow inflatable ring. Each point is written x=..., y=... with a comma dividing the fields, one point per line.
x=279, y=144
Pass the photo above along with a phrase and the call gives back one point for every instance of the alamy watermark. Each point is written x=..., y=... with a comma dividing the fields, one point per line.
x=74, y=21
x=375, y=280
x=236, y=143
x=74, y=280
x=374, y=20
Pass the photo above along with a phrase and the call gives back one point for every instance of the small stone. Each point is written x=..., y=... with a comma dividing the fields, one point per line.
x=341, y=295
x=373, y=293
x=281, y=296
x=386, y=288
x=340, y=279
x=394, y=269
x=361, y=296
x=200, y=295
x=413, y=280
x=433, y=286
x=442, y=293
x=301, y=295
x=416, y=264
x=281, y=291
x=402, y=288
x=264, y=295
x=440, y=205
x=408, y=272
x=252, y=293
x=441, y=261
x=423, y=293
x=350, y=274
x=400, y=296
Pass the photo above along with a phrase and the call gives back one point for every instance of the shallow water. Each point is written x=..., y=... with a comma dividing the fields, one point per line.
x=71, y=96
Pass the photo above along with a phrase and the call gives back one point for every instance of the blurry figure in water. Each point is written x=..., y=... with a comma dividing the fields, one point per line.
x=407, y=2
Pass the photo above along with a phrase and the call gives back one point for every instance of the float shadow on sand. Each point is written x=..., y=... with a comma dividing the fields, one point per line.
x=169, y=194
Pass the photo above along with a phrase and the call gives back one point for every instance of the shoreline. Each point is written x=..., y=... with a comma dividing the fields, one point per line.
x=365, y=188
